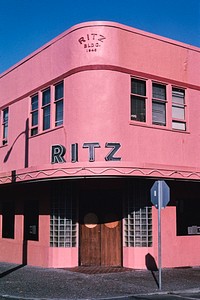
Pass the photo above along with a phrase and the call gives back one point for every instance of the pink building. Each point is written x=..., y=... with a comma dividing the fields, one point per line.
x=88, y=123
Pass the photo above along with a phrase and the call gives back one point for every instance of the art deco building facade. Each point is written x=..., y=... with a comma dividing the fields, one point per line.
x=88, y=123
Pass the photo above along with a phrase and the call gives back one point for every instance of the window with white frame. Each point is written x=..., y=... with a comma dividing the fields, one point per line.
x=138, y=100
x=5, y=126
x=178, y=109
x=159, y=104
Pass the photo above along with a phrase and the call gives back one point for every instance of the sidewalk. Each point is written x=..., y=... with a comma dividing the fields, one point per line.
x=25, y=282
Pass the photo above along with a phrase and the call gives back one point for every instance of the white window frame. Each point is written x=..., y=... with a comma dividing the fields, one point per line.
x=178, y=109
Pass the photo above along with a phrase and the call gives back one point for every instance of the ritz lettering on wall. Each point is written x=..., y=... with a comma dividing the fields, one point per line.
x=92, y=41
x=58, y=152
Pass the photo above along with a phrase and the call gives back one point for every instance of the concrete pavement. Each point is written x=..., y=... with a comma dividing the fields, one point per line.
x=26, y=282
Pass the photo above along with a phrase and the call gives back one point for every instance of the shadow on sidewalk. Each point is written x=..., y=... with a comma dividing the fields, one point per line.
x=5, y=273
x=151, y=266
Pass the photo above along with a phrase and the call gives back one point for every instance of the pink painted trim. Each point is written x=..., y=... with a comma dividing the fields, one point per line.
x=47, y=173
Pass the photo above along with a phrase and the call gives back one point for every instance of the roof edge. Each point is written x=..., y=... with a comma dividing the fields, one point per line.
x=104, y=24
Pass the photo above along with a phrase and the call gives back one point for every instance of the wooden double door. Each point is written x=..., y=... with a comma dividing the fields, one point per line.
x=100, y=239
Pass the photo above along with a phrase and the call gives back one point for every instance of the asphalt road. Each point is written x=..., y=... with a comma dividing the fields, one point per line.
x=166, y=296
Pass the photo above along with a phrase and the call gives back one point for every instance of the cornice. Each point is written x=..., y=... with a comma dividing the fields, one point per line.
x=48, y=174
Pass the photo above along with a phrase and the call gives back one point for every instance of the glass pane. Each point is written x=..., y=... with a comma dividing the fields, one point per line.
x=61, y=222
x=46, y=117
x=138, y=110
x=5, y=115
x=138, y=87
x=34, y=131
x=46, y=97
x=59, y=91
x=34, y=102
x=59, y=113
x=178, y=96
x=159, y=91
x=5, y=132
x=178, y=113
x=158, y=113
x=34, y=118
x=178, y=125
x=137, y=231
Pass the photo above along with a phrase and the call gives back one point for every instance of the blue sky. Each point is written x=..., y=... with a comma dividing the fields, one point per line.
x=26, y=25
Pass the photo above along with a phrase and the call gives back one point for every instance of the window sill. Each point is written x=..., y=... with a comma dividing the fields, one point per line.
x=5, y=145
x=46, y=131
x=158, y=127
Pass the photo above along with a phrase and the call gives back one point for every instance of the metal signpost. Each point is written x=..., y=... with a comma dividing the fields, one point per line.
x=160, y=197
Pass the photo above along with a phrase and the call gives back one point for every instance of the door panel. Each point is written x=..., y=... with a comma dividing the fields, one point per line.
x=90, y=250
x=111, y=243
x=100, y=228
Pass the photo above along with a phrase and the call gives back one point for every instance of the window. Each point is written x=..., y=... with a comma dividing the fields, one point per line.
x=178, y=109
x=44, y=113
x=155, y=112
x=59, y=104
x=8, y=219
x=34, y=114
x=63, y=228
x=46, y=105
x=138, y=215
x=188, y=222
x=5, y=126
x=159, y=104
x=138, y=100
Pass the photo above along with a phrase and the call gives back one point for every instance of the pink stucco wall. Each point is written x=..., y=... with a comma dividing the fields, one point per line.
x=176, y=251
x=97, y=109
x=62, y=257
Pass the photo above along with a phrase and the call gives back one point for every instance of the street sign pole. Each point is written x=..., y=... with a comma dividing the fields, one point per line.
x=160, y=197
x=160, y=200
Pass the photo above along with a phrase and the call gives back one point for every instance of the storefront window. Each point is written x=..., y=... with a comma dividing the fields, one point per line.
x=138, y=216
x=188, y=221
x=63, y=228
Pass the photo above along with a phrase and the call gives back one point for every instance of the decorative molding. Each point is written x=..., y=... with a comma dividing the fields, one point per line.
x=98, y=171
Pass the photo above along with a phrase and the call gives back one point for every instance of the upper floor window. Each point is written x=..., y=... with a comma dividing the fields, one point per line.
x=138, y=100
x=46, y=106
x=5, y=126
x=34, y=114
x=159, y=104
x=178, y=109
x=59, y=104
